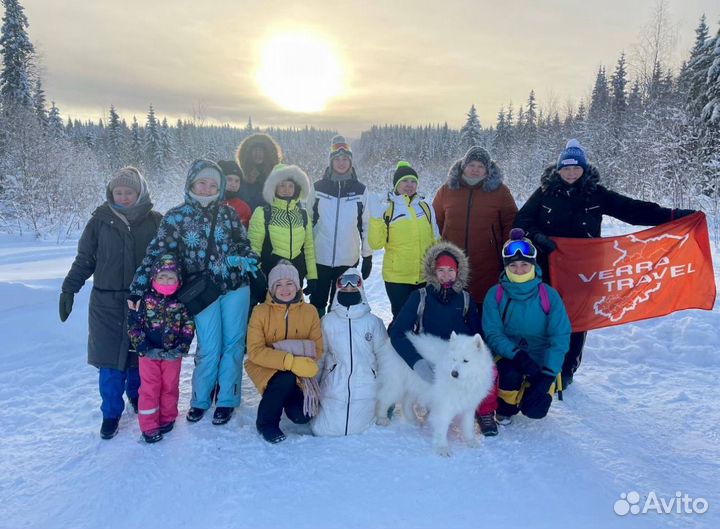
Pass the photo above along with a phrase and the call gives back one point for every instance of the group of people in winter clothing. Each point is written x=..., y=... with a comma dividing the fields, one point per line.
x=466, y=262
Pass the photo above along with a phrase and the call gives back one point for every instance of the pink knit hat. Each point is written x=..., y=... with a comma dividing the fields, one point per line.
x=283, y=270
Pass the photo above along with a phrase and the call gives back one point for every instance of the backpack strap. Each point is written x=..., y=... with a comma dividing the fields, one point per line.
x=426, y=208
x=418, y=328
x=542, y=291
x=544, y=298
x=466, y=306
x=267, y=245
x=388, y=218
x=499, y=293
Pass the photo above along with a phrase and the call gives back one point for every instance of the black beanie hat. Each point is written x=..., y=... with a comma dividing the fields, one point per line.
x=230, y=167
x=403, y=170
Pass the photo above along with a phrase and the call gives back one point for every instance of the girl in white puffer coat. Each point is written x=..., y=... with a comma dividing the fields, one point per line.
x=352, y=337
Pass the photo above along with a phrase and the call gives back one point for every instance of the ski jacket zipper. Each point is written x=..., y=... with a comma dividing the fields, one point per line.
x=337, y=219
x=347, y=413
x=467, y=218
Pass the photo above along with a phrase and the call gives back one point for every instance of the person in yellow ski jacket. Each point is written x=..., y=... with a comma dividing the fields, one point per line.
x=405, y=226
x=280, y=229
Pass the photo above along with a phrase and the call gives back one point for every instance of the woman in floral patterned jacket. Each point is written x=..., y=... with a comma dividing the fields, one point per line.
x=221, y=327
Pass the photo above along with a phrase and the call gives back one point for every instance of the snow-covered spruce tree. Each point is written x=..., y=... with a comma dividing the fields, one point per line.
x=691, y=80
x=55, y=123
x=115, y=141
x=16, y=87
x=618, y=97
x=40, y=103
x=135, y=154
x=471, y=131
x=711, y=110
x=152, y=147
x=600, y=100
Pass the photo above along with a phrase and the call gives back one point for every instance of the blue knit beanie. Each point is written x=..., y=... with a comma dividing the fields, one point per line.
x=573, y=154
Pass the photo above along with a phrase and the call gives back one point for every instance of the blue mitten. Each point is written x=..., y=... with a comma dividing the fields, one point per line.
x=247, y=264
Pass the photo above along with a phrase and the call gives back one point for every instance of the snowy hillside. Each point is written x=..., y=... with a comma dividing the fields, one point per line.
x=643, y=415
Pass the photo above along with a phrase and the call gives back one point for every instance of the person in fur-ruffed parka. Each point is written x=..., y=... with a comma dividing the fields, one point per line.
x=256, y=156
x=352, y=337
x=281, y=228
x=475, y=211
x=448, y=308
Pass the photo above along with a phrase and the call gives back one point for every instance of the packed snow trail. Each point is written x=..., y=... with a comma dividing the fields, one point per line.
x=642, y=415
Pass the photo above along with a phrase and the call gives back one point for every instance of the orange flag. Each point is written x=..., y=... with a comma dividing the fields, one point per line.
x=613, y=280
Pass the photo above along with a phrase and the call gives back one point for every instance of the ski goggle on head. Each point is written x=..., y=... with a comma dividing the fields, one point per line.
x=349, y=279
x=522, y=246
x=340, y=147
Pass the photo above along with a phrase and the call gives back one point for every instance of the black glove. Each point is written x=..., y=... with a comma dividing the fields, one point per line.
x=366, y=267
x=134, y=298
x=536, y=399
x=310, y=288
x=525, y=364
x=544, y=243
x=66, y=304
x=258, y=286
x=680, y=213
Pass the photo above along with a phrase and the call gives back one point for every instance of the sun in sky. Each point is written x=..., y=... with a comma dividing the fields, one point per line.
x=300, y=71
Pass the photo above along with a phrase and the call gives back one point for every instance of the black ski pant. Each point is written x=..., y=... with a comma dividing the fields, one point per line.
x=398, y=293
x=574, y=355
x=532, y=400
x=281, y=393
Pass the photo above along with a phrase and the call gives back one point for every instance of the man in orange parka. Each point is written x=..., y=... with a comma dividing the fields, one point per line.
x=475, y=211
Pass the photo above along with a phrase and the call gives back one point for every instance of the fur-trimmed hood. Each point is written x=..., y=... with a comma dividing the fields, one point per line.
x=273, y=153
x=552, y=184
x=463, y=274
x=287, y=172
x=492, y=181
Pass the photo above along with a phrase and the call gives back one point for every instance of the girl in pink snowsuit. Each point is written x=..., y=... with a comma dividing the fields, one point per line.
x=161, y=331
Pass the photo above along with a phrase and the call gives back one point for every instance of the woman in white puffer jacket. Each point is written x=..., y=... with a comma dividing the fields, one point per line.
x=352, y=337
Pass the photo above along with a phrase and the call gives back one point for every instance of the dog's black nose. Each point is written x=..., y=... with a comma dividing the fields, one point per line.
x=454, y=374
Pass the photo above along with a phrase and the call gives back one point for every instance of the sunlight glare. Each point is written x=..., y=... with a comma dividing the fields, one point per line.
x=299, y=71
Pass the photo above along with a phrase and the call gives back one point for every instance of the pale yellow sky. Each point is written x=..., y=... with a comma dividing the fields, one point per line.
x=405, y=62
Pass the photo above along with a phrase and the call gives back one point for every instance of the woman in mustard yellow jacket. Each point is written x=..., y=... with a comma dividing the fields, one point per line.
x=406, y=228
x=280, y=229
x=284, y=343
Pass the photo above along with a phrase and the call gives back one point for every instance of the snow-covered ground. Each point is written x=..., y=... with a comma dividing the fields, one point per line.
x=643, y=415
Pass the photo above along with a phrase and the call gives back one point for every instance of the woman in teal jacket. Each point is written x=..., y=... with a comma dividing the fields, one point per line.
x=526, y=325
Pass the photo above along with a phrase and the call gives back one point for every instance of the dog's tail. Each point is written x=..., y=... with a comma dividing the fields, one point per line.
x=431, y=348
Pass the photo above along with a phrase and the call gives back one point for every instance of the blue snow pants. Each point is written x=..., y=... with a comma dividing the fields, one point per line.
x=221, y=330
x=113, y=383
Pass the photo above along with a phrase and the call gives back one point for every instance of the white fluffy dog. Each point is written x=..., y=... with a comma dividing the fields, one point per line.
x=463, y=378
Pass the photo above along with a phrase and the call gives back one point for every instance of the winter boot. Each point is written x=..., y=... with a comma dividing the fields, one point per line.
x=195, y=414
x=488, y=426
x=222, y=415
x=165, y=428
x=152, y=436
x=503, y=419
x=109, y=428
x=134, y=404
x=272, y=434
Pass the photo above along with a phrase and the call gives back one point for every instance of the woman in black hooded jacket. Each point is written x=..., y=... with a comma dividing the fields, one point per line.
x=570, y=202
